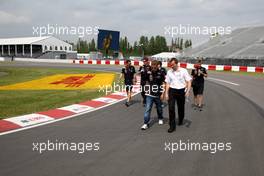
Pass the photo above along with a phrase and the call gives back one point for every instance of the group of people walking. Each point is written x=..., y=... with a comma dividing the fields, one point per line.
x=158, y=85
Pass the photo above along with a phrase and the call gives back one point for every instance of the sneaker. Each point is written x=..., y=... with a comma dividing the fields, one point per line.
x=160, y=122
x=127, y=104
x=144, y=127
x=200, y=107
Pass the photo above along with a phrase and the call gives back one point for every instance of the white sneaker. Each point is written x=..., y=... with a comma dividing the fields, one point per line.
x=160, y=122
x=144, y=127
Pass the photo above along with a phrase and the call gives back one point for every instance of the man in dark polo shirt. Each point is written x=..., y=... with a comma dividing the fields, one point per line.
x=128, y=73
x=198, y=74
x=154, y=89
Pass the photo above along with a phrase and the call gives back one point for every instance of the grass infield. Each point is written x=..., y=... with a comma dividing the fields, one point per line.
x=20, y=102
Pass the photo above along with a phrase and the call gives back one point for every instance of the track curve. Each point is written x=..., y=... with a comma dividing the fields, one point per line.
x=126, y=150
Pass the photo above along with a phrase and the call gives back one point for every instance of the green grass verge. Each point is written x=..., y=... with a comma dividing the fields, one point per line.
x=20, y=102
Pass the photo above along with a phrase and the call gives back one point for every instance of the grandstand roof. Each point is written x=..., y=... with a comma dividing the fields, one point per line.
x=22, y=40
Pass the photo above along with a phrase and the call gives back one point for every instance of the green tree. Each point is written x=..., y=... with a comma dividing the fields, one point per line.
x=92, y=46
x=181, y=44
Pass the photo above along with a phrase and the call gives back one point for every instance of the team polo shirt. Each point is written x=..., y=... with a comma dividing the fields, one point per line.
x=154, y=84
x=129, y=74
x=144, y=71
x=177, y=79
x=198, y=79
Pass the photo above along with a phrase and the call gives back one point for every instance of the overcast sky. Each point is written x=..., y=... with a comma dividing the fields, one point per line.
x=132, y=18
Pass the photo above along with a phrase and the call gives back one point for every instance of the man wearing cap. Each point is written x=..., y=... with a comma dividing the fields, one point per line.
x=144, y=71
x=178, y=85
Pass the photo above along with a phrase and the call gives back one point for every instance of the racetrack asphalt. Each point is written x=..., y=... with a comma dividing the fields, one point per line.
x=227, y=117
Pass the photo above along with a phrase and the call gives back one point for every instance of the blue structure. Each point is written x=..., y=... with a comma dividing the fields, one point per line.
x=108, y=40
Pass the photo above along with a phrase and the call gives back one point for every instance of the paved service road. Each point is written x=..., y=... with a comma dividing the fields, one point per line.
x=227, y=117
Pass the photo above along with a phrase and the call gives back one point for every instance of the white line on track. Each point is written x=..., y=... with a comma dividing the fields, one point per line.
x=224, y=81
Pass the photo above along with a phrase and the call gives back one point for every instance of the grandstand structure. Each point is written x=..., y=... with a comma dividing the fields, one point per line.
x=244, y=46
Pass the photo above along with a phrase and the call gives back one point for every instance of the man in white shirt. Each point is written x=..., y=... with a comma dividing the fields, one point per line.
x=178, y=85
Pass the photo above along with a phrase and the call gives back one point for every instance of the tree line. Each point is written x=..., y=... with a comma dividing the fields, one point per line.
x=144, y=46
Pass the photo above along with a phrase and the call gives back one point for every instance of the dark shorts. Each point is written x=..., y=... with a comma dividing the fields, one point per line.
x=129, y=87
x=198, y=89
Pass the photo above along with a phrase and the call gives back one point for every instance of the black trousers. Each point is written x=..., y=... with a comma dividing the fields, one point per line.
x=176, y=95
